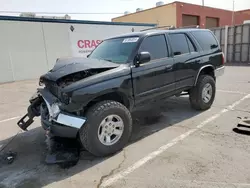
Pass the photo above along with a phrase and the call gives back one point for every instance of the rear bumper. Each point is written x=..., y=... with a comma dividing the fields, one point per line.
x=219, y=71
x=59, y=123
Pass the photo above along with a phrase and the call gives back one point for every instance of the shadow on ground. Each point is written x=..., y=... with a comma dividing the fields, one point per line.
x=29, y=169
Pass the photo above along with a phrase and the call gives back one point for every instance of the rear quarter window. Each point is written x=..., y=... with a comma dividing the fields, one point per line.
x=206, y=40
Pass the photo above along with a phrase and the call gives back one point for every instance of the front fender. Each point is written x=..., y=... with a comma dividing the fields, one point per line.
x=81, y=97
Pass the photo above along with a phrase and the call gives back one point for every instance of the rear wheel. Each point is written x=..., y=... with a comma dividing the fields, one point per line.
x=107, y=129
x=202, y=95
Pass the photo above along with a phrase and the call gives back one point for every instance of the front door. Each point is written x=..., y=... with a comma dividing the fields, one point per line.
x=153, y=79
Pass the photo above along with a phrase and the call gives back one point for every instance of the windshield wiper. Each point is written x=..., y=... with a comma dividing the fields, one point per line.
x=108, y=60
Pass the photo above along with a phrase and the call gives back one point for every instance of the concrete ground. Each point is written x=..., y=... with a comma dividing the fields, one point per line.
x=172, y=145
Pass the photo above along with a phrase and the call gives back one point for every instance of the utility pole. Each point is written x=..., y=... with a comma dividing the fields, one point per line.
x=203, y=3
x=233, y=14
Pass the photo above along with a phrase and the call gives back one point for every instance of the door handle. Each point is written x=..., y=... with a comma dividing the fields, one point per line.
x=169, y=67
x=197, y=61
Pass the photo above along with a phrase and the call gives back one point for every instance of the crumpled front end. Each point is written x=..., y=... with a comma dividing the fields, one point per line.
x=53, y=119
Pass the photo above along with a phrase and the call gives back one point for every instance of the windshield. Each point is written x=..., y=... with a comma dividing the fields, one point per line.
x=115, y=50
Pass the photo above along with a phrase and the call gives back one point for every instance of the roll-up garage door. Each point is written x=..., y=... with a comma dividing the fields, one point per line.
x=190, y=20
x=212, y=22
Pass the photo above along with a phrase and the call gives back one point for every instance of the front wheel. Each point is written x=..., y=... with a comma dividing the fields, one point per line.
x=202, y=95
x=107, y=129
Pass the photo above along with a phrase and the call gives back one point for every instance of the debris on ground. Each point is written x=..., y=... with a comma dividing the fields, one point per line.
x=8, y=157
x=243, y=126
x=62, y=151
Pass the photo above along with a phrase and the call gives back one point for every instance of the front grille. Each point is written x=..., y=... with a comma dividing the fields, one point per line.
x=52, y=87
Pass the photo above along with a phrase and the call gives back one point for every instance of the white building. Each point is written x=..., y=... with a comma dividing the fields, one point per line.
x=30, y=46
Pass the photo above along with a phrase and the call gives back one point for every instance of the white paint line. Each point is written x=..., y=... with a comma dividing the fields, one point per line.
x=231, y=107
x=9, y=119
x=208, y=182
x=228, y=91
x=163, y=148
x=190, y=182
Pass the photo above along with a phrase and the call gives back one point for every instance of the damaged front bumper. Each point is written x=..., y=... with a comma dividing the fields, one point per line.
x=59, y=123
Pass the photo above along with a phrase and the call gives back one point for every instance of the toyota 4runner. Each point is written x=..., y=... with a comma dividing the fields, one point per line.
x=92, y=98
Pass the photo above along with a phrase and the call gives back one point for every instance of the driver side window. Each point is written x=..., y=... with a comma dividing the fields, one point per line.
x=156, y=46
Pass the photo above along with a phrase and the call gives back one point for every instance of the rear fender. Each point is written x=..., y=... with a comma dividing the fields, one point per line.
x=200, y=71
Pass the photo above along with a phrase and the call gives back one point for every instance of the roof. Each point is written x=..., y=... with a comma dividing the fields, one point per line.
x=244, y=11
x=29, y=19
x=147, y=9
x=152, y=32
x=178, y=2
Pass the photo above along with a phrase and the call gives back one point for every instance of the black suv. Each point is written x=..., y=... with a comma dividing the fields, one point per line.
x=92, y=98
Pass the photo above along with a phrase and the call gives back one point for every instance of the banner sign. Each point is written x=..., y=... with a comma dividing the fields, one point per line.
x=86, y=37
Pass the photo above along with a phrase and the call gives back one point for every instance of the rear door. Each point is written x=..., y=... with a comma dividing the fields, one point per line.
x=153, y=79
x=186, y=57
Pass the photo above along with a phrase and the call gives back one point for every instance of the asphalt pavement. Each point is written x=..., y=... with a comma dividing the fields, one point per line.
x=172, y=145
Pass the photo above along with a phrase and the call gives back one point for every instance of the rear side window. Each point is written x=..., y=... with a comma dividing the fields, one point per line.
x=156, y=46
x=206, y=39
x=181, y=44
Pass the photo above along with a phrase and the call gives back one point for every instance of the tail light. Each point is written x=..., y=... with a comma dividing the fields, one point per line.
x=223, y=58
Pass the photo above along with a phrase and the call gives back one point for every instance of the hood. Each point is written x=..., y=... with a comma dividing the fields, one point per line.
x=67, y=66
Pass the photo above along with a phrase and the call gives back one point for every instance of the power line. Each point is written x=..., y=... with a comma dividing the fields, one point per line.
x=16, y=12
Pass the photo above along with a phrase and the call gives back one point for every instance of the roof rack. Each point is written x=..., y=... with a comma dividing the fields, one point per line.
x=160, y=27
x=172, y=27
x=190, y=26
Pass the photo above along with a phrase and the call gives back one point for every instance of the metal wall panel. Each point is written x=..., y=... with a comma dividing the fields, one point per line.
x=222, y=36
x=238, y=35
x=217, y=34
x=57, y=42
x=230, y=35
x=6, y=74
x=237, y=52
x=26, y=45
x=29, y=49
x=245, y=38
x=238, y=42
x=244, y=53
x=230, y=53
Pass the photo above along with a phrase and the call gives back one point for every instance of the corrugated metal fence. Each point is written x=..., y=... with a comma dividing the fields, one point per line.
x=235, y=42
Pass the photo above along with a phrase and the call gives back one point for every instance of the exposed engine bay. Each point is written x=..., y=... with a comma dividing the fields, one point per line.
x=71, y=78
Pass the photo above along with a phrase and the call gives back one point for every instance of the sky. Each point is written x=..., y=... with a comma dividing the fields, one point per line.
x=117, y=7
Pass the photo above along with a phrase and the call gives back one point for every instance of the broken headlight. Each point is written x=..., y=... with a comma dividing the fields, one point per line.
x=65, y=98
x=55, y=110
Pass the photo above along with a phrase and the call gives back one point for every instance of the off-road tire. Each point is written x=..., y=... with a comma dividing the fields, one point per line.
x=89, y=132
x=195, y=94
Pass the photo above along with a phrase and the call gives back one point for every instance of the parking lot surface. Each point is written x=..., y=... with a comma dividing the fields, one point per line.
x=172, y=145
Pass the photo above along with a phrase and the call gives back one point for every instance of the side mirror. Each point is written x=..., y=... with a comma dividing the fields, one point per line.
x=142, y=57
x=177, y=53
x=213, y=46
